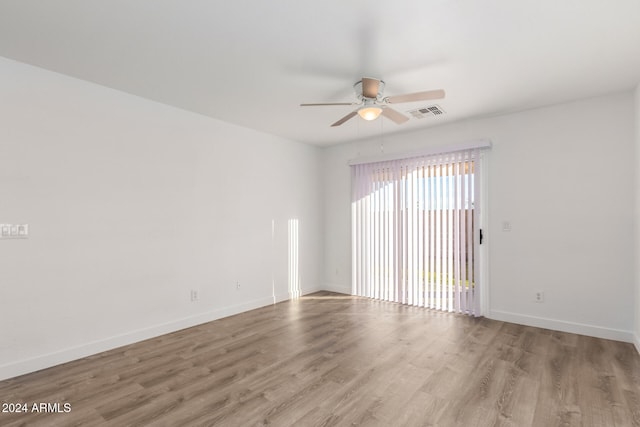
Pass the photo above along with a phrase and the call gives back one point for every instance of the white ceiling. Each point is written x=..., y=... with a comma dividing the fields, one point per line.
x=252, y=62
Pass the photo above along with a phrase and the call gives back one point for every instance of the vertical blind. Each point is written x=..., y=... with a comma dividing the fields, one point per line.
x=414, y=231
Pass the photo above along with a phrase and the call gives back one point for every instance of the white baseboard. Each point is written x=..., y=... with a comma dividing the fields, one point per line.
x=342, y=289
x=312, y=289
x=564, y=326
x=63, y=356
x=636, y=342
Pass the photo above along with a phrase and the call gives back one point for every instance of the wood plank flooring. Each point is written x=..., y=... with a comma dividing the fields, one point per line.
x=335, y=360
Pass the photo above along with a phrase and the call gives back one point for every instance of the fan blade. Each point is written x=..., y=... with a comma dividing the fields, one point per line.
x=370, y=87
x=329, y=103
x=345, y=118
x=418, y=96
x=395, y=116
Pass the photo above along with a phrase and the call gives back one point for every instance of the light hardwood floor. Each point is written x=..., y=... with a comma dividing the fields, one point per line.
x=329, y=359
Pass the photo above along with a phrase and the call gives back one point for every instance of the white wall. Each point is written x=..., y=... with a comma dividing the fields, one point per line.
x=131, y=204
x=563, y=175
x=637, y=221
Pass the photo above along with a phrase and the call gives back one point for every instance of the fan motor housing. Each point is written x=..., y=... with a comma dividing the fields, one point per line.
x=357, y=87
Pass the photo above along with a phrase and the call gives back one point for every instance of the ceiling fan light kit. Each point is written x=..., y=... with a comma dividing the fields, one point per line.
x=369, y=92
x=370, y=112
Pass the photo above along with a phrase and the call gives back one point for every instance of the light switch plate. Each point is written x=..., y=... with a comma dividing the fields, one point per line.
x=14, y=231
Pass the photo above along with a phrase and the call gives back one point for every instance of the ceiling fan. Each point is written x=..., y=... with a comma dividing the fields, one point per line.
x=369, y=92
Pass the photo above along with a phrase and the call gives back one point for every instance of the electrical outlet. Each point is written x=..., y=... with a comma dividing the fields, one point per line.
x=194, y=295
x=539, y=296
x=238, y=286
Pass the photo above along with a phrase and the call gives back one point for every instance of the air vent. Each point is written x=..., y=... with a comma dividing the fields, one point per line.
x=432, y=110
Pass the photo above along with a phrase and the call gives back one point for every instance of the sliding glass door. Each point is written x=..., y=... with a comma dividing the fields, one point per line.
x=415, y=231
